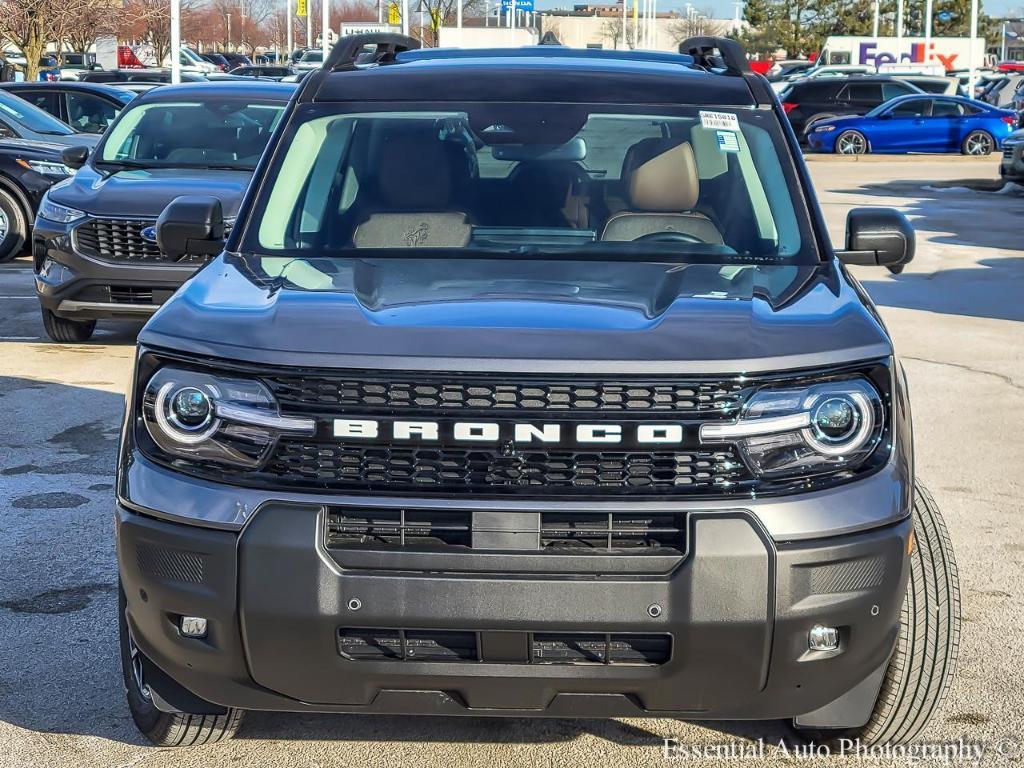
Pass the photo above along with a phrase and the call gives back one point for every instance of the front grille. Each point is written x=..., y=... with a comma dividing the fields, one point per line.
x=423, y=395
x=121, y=240
x=454, y=646
x=336, y=466
x=1008, y=151
x=560, y=533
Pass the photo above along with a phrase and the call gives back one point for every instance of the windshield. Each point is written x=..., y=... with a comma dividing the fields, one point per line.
x=31, y=117
x=531, y=178
x=226, y=132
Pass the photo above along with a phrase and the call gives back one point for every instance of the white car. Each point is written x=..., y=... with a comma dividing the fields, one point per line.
x=190, y=62
x=311, y=59
x=832, y=70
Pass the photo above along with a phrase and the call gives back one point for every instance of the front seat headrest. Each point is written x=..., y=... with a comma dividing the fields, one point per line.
x=661, y=176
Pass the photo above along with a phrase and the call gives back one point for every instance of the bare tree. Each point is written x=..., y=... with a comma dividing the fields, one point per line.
x=151, y=19
x=612, y=28
x=697, y=25
x=29, y=25
x=90, y=19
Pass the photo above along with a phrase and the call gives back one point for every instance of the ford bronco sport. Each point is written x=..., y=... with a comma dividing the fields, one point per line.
x=529, y=383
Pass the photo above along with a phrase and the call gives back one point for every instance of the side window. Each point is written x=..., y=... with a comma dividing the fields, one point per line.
x=6, y=132
x=865, y=93
x=892, y=90
x=48, y=102
x=89, y=114
x=946, y=109
x=912, y=108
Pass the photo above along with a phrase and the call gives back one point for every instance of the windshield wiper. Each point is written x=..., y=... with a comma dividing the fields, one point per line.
x=123, y=164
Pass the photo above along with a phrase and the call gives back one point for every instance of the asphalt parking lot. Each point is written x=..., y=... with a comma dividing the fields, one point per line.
x=957, y=315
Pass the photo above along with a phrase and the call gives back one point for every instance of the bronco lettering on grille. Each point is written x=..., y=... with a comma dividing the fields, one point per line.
x=548, y=433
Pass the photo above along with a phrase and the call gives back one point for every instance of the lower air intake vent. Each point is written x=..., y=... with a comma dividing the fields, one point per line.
x=408, y=645
x=454, y=646
x=587, y=648
x=582, y=533
x=387, y=528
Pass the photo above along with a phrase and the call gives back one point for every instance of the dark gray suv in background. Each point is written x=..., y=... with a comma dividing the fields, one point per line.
x=94, y=240
x=529, y=384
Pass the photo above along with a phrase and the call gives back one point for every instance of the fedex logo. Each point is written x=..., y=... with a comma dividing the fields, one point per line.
x=869, y=54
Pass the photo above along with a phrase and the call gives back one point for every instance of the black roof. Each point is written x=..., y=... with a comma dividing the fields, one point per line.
x=113, y=91
x=537, y=73
x=242, y=89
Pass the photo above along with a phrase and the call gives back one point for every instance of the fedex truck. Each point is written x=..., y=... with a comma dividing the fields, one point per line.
x=949, y=52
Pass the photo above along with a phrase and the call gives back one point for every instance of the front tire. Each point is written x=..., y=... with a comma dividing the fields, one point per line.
x=978, y=144
x=13, y=227
x=851, y=143
x=65, y=331
x=924, y=660
x=166, y=729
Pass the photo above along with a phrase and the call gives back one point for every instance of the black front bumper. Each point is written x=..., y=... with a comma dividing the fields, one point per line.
x=737, y=606
x=80, y=287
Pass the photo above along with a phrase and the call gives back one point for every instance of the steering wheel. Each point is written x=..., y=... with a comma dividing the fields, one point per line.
x=669, y=236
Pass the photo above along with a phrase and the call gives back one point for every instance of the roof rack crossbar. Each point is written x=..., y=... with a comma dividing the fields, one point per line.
x=717, y=53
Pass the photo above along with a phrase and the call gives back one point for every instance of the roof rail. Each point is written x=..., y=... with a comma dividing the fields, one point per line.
x=351, y=53
x=717, y=53
x=348, y=53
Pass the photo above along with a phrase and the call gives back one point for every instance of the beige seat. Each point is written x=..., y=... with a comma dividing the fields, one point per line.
x=416, y=180
x=661, y=188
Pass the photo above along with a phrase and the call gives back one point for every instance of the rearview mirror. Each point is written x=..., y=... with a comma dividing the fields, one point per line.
x=878, y=237
x=191, y=224
x=74, y=157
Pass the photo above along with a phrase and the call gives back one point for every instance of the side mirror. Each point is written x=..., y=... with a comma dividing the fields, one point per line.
x=191, y=224
x=878, y=237
x=74, y=157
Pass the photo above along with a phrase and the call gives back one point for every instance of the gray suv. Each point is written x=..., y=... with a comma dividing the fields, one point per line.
x=528, y=383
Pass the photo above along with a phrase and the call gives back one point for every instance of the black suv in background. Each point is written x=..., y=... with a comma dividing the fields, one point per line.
x=528, y=384
x=94, y=243
x=27, y=170
x=816, y=98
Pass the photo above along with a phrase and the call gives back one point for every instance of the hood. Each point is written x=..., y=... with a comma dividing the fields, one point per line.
x=838, y=122
x=147, y=192
x=44, y=149
x=72, y=139
x=458, y=314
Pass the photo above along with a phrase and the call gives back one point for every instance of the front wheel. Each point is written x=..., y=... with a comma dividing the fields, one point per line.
x=851, y=143
x=978, y=144
x=65, y=331
x=166, y=729
x=13, y=227
x=924, y=660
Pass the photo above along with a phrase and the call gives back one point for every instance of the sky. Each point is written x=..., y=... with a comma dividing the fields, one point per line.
x=724, y=9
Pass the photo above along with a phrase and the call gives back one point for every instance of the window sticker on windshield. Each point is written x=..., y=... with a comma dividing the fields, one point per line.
x=719, y=121
x=728, y=141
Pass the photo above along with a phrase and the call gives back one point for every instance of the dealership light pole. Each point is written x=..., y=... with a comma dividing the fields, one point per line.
x=927, y=29
x=288, y=20
x=874, y=27
x=899, y=24
x=325, y=27
x=973, y=74
x=175, y=41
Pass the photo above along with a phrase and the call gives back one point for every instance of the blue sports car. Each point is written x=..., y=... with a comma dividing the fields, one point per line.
x=916, y=124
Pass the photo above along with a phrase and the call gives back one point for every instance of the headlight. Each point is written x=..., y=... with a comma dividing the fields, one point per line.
x=804, y=431
x=59, y=213
x=824, y=128
x=46, y=168
x=202, y=417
